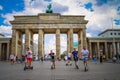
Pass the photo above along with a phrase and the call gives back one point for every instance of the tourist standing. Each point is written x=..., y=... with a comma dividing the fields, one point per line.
x=12, y=58
x=95, y=59
x=69, y=59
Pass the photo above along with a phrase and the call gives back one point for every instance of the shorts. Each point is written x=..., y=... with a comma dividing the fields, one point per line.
x=75, y=58
x=12, y=59
x=84, y=58
x=52, y=59
x=69, y=58
x=29, y=59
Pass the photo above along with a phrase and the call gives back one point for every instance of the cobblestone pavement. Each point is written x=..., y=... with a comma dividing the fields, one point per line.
x=42, y=71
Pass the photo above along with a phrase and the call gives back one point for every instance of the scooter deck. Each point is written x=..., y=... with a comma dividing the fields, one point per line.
x=26, y=67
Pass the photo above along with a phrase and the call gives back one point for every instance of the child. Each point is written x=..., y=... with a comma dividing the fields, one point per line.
x=95, y=59
x=12, y=58
x=69, y=59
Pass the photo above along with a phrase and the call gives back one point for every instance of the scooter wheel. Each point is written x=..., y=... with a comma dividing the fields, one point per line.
x=32, y=68
x=24, y=68
x=77, y=67
x=85, y=69
x=51, y=67
x=66, y=64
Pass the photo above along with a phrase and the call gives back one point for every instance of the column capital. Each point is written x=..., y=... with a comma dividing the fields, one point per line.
x=57, y=30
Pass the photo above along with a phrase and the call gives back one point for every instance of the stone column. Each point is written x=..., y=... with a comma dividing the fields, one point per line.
x=111, y=50
x=106, y=50
x=84, y=38
x=114, y=49
x=90, y=49
x=3, y=52
x=15, y=42
x=8, y=46
x=68, y=41
x=40, y=43
x=95, y=49
x=118, y=47
x=43, y=45
x=0, y=50
x=13, y=46
x=98, y=49
x=71, y=39
x=58, y=43
x=31, y=41
x=18, y=43
x=80, y=41
x=16, y=46
x=27, y=38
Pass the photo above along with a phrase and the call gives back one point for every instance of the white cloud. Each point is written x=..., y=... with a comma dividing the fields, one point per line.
x=6, y=30
x=99, y=20
x=1, y=8
x=8, y=17
x=63, y=42
x=35, y=38
x=88, y=35
x=50, y=43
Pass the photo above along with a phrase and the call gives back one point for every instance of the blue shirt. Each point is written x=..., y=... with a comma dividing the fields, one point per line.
x=75, y=53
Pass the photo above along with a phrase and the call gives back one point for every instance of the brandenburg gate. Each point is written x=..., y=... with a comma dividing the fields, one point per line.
x=47, y=23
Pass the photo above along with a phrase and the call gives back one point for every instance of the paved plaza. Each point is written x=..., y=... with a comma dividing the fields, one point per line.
x=42, y=71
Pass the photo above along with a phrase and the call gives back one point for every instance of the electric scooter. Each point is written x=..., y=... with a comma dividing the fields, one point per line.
x=27, y=67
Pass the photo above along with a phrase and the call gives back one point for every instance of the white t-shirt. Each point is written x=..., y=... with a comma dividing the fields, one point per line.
x=69, y=54
x=29, y=54
x=84, y=52
x=11, y=56
x=65, y=57
x=14, y=57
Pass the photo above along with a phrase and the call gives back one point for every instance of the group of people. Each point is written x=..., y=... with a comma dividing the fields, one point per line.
x=74, y=54
x=25, y=57
x=13, y=59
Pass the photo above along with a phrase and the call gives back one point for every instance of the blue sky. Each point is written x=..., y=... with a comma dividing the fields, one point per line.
x=99, y=13
x=11, y=6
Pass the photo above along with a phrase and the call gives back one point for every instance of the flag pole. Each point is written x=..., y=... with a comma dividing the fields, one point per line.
x=114, y=49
